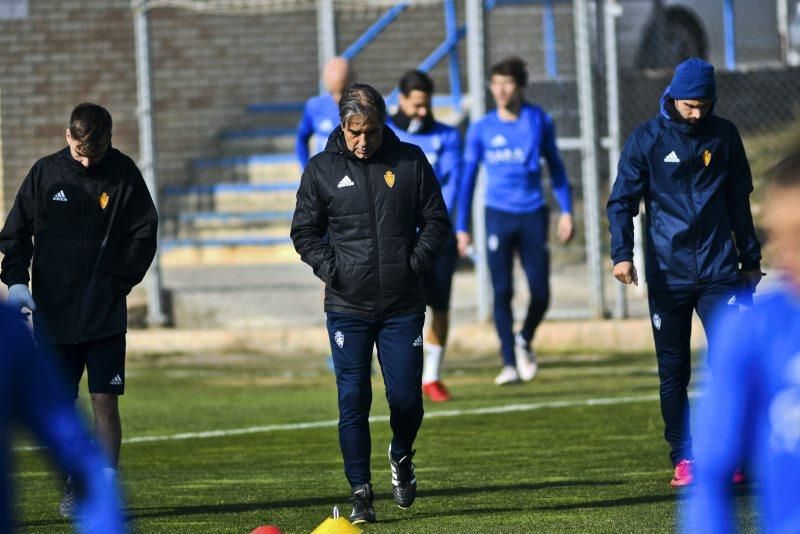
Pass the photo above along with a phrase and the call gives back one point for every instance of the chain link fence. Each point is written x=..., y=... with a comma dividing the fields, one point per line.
x=749, y=43
x=212, y=60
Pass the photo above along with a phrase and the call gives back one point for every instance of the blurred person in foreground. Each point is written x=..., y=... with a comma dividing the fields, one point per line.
x=511, y=142
x=750, y=411
x=85, y=225
x=370, y=220
x=414, y=123
x=690, y=167
x=32, y=393
x=321, y=112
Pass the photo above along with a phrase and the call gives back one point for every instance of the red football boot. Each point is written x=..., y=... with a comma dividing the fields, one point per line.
x=684, y=474
x=436, y=391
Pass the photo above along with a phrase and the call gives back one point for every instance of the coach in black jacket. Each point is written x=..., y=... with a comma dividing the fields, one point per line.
x=86, y=219
x=369, y=219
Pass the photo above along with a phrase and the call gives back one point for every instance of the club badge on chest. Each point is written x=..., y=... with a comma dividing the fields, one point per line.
x=389, y=178
x=706, y=157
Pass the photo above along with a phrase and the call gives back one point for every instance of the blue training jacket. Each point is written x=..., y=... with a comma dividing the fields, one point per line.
x=749, y=416
x=32, y=393
x=696, y=183
x=320, y=118
x=512, y=154
x=442, y=146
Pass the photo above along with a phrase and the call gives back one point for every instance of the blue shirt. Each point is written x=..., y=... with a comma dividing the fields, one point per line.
x=320, y=118
x=442, y=146
x=751, y=410
x=512, y=153
x=32, y=393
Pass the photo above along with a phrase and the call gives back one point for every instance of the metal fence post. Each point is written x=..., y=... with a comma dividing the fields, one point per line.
x=729, y=27
x=147, y=150
x=326, y=36
x=451, y=24
x=476, y=76
x=549, y=38
x=588, y=158
x=783, y=29
x=611, y=10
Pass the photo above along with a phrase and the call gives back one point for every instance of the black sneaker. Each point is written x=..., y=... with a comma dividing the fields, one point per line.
x=404, y=480
x=67, y=506
x=363, y=511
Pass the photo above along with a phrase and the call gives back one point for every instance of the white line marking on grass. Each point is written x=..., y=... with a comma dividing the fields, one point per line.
x=527, y=407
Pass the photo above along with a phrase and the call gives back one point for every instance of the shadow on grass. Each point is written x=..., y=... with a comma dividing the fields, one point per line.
x=740, y=491
x=613, y=503
x=149, y=512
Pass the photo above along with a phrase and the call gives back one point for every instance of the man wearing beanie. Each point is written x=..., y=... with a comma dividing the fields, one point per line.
x=691, y=169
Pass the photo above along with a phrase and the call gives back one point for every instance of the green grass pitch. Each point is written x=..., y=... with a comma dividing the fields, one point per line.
x=557, y=466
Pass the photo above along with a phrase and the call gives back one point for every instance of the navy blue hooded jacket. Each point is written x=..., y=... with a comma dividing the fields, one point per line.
x=696, y=183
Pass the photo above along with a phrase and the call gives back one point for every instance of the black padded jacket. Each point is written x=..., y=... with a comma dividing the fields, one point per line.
x=370, y=228
x=91, y=233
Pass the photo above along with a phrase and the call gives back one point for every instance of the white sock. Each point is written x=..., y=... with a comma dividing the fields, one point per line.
x=432, y=363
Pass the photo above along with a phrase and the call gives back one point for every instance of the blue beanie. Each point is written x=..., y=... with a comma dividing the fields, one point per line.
x=693, y=80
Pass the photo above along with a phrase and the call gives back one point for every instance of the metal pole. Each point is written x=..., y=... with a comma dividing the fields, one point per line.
x=589, y=158
x=729, y=27
x=374, y=31
x=326, y=36
x=475, y=71
x=783, y=29
x=612, y=10
x=451, y=24
x=147, y=151
x=549, y=38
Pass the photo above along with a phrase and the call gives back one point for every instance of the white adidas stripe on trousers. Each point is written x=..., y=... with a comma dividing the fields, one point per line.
x=491, y=410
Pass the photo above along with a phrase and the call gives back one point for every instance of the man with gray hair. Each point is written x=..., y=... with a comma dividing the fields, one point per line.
x=369, y=220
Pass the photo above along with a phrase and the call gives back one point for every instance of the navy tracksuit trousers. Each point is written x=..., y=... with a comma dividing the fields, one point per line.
x=525, y=233
x=671, y=318
x=399, y=342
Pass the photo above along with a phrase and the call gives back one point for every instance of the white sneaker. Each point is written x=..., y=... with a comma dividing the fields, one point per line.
x=526, y=359
x=508, y=375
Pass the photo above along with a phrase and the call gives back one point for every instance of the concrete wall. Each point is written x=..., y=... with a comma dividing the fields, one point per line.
x=64, y=53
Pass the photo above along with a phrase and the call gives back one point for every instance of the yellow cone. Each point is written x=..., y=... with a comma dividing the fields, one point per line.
x=336, y=525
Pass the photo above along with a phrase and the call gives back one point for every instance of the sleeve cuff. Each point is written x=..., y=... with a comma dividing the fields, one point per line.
x=618, y=259
x=751, y=266
x=16, y=278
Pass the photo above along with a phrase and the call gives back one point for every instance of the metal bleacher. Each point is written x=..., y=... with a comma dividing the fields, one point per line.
x=240, y=205
x=242, y=201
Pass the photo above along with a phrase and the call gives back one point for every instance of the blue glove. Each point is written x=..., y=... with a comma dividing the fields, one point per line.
x=20, y=297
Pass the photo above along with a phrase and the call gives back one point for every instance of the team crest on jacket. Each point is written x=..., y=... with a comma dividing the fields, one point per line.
x=389, y=178
x=706, y=157
x=103, y=201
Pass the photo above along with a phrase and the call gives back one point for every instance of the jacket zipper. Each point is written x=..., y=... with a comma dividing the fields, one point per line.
x=694, y=211
x=374, y=221
x=81, y=282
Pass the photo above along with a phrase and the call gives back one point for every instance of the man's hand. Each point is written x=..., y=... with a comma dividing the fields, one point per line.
x=625, y=272
x=566, y=228
x=20, y=297
x=751, y=279
x=463, y=239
